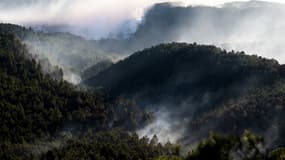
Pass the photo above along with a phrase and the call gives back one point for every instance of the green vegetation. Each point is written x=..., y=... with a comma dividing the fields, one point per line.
x=121, y=145
x=216, y=147
x=180, y=70
x=35, y=107
x=111, y=145
x=277, y=154
x=248, y=146
x=222, y=91
x=69, y=51
x=44, y=118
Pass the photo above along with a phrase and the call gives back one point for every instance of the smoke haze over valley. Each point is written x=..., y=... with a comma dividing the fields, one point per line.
x=250, y=26
x=130, y=26
x=143, y=79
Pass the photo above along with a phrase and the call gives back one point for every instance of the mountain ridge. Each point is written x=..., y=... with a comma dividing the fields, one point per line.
x=202, y=84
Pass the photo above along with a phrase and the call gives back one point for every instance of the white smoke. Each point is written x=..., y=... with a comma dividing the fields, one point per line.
x=95, y=19
x=259, y=33
x=70, y=53
x=71, y=77
x=166, y=127
x=91, y=18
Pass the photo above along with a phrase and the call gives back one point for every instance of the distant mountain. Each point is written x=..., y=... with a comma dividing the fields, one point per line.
x=121, y=31
x=208, y=87
x=249, y=26
x=72, y=53
x=230, y=26
x=251, y=4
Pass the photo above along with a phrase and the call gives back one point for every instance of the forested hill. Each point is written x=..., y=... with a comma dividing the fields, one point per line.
x=35, y=107
x=47, y=119
x=72, y=53
x=180, y=69
x=210, y=88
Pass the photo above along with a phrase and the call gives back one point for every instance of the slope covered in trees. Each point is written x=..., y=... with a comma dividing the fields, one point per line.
x=72, y=53
x=35, y=107
x=44, y=118
x=114, y=145
x=118, y=145
x=181, y=69
x=203, y=88
x=95, y=69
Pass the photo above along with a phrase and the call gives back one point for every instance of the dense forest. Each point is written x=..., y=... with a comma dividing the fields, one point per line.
x=215, y=90
x=72, y=53
x=47, y=118
x=36, y=108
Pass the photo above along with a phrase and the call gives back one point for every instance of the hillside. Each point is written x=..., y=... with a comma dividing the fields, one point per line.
x=72, y=53
x=179, y=69
x=95, y=69
x=35, y=108
x=202, y=88
x=44, y=118
x=142, y=80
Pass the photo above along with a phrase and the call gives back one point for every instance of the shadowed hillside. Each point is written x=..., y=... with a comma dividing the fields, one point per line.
x=72, y=53
x=35, y=108
x=202, y=88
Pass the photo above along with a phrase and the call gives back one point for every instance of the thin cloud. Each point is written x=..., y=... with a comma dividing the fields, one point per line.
x=98, y=16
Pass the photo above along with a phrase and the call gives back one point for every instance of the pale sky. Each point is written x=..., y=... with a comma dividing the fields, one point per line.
x=215, y=2
x=98, y=18
x=21, y=11
x=104, y=15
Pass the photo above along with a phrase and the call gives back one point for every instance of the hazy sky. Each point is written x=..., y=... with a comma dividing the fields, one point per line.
x=74, y=11
x=100, y=15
